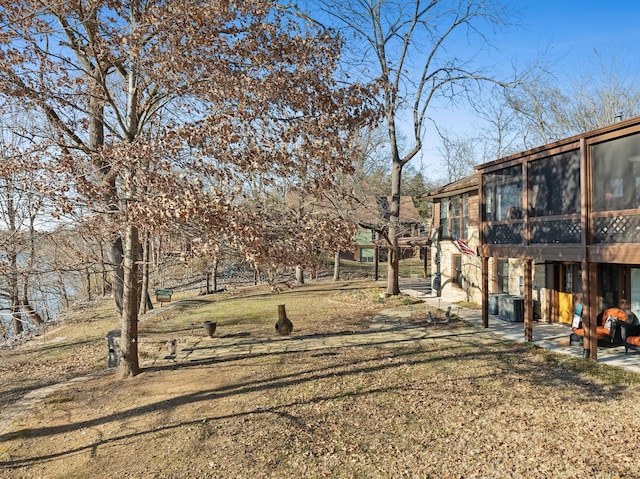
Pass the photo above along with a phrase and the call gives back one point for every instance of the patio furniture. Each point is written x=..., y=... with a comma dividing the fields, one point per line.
x=630, y=332
x=607, y=327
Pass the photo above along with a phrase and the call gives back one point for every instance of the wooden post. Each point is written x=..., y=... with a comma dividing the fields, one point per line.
x=589, y=275
x=376, y=259
x=528, y=301
x=485, y=292
x=591, y=334
x=284, y=326
x=484, y=258
x=425, y=262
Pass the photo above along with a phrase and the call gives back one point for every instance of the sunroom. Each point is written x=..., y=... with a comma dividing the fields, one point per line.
x=570, y=213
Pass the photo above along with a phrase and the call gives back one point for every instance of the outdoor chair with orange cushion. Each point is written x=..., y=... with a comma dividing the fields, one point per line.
x=631, y=342
x=630, y=331
x=606, y=330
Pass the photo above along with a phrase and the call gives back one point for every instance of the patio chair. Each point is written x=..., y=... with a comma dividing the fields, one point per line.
x=607, y=327
x=630, y=332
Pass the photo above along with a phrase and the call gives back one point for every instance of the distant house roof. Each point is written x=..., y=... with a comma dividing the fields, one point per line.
x=469, y=183
x=375, y=210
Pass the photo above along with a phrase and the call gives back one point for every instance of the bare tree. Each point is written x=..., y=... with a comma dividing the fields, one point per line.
x=20, y=206
x=414, y=56
x=550, y=108
x=459, y=155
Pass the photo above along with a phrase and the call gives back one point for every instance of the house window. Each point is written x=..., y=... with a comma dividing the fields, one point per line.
x=464, y=221
x=456, y=269
x=444, y=218
x=502, y=267
x=567, y=278
x=454, y=216
x=366, y=255
x=609, y=285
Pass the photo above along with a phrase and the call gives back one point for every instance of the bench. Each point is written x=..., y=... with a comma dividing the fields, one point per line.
x=163, y=295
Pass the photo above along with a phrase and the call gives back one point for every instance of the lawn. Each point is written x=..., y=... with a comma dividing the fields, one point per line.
x=459, y=404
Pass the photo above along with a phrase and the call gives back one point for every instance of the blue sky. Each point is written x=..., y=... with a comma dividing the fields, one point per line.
x=570, y=31
x=573, y=29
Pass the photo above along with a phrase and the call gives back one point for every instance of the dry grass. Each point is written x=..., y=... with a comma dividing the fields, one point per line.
x=461, y=405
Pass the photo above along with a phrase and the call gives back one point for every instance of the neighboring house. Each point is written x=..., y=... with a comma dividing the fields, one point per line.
x=373, y=216
x=456, y=271
x=569, y=214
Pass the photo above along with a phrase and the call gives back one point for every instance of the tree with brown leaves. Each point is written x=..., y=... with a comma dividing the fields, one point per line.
x=159, y=112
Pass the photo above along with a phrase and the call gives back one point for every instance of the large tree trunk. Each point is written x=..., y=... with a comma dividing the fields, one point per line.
x=128, y=365
x=16, y=317
x=393, y=283
x=12, y=279
x=216, y=263
x=31, y=313
x=117, y=272
x=12, y=256
x=336, y=266
x=131, y=280
x=88, y=279
x=105, y=286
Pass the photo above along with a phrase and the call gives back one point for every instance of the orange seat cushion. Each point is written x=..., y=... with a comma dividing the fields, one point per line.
x=633, y=341
x=600, y=331
x=617, y=313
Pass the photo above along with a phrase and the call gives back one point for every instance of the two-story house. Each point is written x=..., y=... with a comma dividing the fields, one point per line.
x=569, y=212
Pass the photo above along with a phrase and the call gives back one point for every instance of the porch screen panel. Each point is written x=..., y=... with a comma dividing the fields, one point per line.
x=503, y=210
x=616, y=190
x=554, y=190
x=616, y=174
x=554, y=185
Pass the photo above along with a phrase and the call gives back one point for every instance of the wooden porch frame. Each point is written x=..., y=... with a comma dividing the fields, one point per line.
x=589, y=255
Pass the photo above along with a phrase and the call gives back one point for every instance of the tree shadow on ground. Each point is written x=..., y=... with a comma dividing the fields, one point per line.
x=506, y=359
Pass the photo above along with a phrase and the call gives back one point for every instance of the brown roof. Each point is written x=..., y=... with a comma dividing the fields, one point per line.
x=373, y=209
x=468, y=183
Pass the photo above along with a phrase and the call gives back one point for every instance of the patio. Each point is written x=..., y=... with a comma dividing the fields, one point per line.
x=553, y=336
